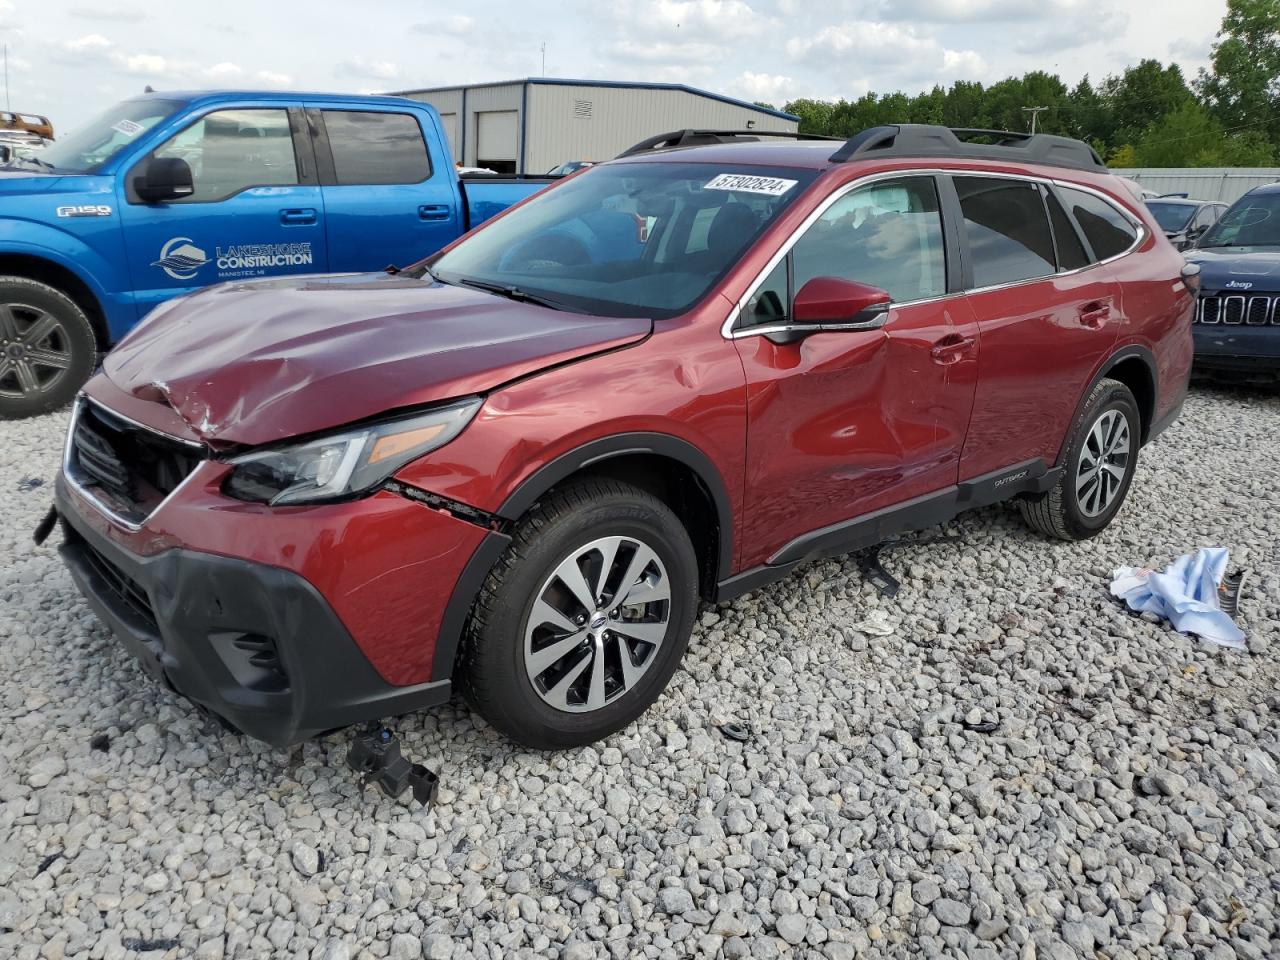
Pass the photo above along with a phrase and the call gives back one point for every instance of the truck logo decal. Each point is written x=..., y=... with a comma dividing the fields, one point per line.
x=1238, y=285
x=86, y=210
x=181, y=259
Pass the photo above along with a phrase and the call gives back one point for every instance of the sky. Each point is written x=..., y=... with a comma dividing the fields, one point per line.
x=71, y=59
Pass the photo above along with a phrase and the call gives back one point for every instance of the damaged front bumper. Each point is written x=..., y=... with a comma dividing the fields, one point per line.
x=353, y=618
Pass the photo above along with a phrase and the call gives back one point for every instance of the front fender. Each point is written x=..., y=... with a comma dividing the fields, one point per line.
x=104, y=279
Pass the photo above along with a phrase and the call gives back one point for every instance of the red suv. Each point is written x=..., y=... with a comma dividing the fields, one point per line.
x=520, y=464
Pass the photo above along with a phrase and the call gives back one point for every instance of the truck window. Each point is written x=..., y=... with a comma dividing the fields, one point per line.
x=232, y=150
x=372, y=148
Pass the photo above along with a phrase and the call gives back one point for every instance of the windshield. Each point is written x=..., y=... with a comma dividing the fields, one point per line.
x=1172, y=217
x=92, y=145
x=1252, y=221
x=627, y=239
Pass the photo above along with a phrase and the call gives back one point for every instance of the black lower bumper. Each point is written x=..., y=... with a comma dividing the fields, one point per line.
x=255, y=644
x=1237, y=369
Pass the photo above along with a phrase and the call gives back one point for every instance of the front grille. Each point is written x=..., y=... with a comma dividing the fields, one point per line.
x=1236, y=309
x=127, y=468
x=125, y=588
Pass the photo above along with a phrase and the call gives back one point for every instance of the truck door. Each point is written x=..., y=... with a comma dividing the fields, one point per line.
x=256, y=210
x=385, y=201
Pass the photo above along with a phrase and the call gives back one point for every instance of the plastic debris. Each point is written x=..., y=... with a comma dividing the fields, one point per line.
x=876, y=625
x=736, y=731
x=1186, y=594
x=982, y=726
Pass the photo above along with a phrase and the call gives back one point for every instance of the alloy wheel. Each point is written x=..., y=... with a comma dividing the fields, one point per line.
x=35, y=351
x=597, y=623
x=1104, y=461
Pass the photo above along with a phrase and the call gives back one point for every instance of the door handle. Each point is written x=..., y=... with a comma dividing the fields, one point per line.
x=1096, y=314
x=298, y=216
x=434, y=211
x=951, y=348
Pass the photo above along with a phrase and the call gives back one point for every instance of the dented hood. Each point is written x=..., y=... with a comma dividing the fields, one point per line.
x=250, y=363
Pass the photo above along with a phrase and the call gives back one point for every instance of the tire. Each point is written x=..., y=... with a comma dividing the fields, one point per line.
x=1084, y=501
x=518, y=659
x=47, y=348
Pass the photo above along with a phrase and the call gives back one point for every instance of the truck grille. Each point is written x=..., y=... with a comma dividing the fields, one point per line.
x=127, y=590
x=126, y=468
x=1252, y=311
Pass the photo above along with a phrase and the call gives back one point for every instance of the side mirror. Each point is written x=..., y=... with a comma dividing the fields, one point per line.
x=166, y=178
x=831, y=303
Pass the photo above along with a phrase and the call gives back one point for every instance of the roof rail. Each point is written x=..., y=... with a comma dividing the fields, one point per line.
x=924, y=140
x=698, y=138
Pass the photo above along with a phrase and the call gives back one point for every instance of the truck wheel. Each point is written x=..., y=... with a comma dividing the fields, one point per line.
x=1100, y=463
x=47, y=348
x=581, y=624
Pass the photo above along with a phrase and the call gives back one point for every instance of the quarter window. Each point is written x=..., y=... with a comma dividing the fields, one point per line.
x=1007, y=229
x=1108, y=232
x=233, y=150
x=1071, y=252
x=372, y=148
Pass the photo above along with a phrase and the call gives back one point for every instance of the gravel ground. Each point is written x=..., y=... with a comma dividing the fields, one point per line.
x=1126, y=803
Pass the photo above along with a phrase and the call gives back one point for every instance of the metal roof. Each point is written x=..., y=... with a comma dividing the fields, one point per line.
x=620, y=84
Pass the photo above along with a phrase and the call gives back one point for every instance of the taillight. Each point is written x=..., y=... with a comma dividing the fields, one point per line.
x=1191, y=276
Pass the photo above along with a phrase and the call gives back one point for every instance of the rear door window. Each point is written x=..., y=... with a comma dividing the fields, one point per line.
x=1108, y=231
x=1007, y=229
x=376, y=148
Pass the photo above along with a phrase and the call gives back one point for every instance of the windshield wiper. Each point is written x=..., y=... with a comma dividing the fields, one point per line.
x=511, y=292
x=1264, y=243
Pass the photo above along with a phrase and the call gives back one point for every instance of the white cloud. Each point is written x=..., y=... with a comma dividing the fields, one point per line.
x=456, y=25
x=115, y=14
x=224, y=71
x=689, y=20
x=89, y=43
x=270, y=78
x=373, y=69
x=770, y=87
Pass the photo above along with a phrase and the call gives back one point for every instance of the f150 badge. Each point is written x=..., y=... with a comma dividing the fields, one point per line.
x=87, y=210
x=1238, y=285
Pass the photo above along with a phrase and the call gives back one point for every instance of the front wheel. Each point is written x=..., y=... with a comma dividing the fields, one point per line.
x=47, y=348
x=1099, y=467
x=581, y=624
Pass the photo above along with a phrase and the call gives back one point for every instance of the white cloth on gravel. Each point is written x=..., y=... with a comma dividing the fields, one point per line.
x=1185, y=594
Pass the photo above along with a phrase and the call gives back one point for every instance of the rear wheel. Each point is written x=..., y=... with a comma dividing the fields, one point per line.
x=47, y=348
x=583, y=621
x=1100, y=464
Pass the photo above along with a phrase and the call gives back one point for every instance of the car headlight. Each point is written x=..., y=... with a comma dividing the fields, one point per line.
x=343, y=465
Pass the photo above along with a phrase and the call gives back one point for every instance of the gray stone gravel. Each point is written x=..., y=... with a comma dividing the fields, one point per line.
x=1127, y=803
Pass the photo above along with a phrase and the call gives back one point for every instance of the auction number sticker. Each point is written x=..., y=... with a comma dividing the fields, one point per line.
x=747, y=183
x=128, y=127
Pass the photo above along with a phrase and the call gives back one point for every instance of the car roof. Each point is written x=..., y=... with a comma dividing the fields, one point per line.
x=1266, y=188
x=1179, y=201
x=218, y=96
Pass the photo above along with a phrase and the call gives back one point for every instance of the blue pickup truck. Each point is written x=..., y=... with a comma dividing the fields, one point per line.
x=169, y=192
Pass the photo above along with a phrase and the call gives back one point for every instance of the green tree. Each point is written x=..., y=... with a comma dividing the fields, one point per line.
x=1141, y=95
x=1192, y=137
x=816, y=116
x=1243, y=88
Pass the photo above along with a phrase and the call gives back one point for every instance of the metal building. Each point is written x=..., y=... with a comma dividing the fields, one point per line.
x=1202, y=183
x=532, y=125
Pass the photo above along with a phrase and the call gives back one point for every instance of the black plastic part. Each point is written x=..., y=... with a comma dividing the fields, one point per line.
x=1230, y=590
x=700, y=138
x=927, y=140
x=736, y=731
x=375, y=755
x=45, y=526
x=872, y=570
x=256, y=645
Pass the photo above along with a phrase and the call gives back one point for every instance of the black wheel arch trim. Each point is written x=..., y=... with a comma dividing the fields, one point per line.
x=607, y=448
x=1124, y=353
x=458, y=610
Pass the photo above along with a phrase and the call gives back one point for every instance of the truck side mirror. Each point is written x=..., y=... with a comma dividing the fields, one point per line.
x=166, y=178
